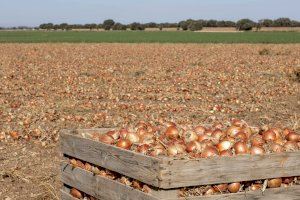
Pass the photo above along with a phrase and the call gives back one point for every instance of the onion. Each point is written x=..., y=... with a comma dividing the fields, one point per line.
x=233, y=130
x=238, y=123
x=141, y=131
x=287, y=180
x=193, y=146
x=123, y=132
x=220, y=187
x=274, y=183
x=73, y=162
x=143, y=148
x=114, y=134
x=218, y=125
x=200, y=130
x=75, y=193
x=234, y=187
x=248, y=131
x=80, y=164
x=124, y=144
x=277, y=132
x=156, y=151
x=210, y=191
x=256, y=150
x=14, y=135
x=147, y=138
x=224, y=145
x=172, y=132
x=290, y=146
x=240, y=148
x=168, y=124
x=132, y=137
x=106, y=139
x=136, y=185
x=227, y=153
x=190, y=136
x=209, y=152
x=292, y=136
x=241, y=136
x=257, y=140
x=286, y=131
x=276, y=148
x=141, y=124
x=203, y=137
x=175, y=149
x=255, y=187
x=88, y=167
x=208, y=132
x=218, y=134
x=269, y=135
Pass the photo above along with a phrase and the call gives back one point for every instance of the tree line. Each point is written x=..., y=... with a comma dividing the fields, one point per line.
x=189, y=24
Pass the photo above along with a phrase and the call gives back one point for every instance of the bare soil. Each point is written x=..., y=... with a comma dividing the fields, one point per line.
x=47, y=87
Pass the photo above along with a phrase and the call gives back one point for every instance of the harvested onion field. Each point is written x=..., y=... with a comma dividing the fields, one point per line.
x=47, y=87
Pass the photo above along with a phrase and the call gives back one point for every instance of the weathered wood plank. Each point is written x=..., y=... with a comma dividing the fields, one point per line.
x=99, y=187
x=137, y=166
x=289, y=193
x=180, y=173
x=64, y=195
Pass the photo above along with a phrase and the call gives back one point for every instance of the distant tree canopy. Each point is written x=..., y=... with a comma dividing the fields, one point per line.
x=189, y=24
x=108, y=24
x=135, y=26
x=245, y=25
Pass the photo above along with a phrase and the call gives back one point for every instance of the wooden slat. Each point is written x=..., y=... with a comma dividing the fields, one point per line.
x=65, y=195
x=289, y=193
x=134, y=165
x=99, y=187
x=180, y=173
x=106, y=189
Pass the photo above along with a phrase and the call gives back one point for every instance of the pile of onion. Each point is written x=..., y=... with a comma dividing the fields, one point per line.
x=170, y=139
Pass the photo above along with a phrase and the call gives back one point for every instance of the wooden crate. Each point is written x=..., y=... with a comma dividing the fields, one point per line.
x=106, y=189
x=167, y=173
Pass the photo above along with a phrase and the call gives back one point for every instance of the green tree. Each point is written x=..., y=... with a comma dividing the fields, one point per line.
x=266, y=22
x=108, y=24
x=245, y=25
x=282, y=22
x=137, y=26
x=119, y=26
x=195, y=26
x=47, y=26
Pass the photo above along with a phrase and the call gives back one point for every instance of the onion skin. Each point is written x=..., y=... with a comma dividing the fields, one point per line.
x=255, y=150
x=144, y=148
x=290, y=146
x=193, y=146
x=241, y=136
x=88, y=167
x=156, y=151
x=123, y=132
x=190, y=136
x=293, y=137
x=240, y=148
x=218, y=134
x=220, y=187
x=225, y=153
x=233, y=130
x=175, y=149
x=172, y=132
x=210, y=191
x=114, y=134
x=75, y=193
x=257, y=140
x=203, y=137
x=255, y=187
x=269, y=135
x=276, y=148
x=80, y=164
x=209, y=152
x=132, y=137
x=106, y=139
x=274, y=183
x=234, y=187
x=200, y=130
x=224, y=145
x=124, y=144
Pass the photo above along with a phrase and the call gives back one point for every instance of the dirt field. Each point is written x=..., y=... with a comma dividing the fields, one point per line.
x=47, y=87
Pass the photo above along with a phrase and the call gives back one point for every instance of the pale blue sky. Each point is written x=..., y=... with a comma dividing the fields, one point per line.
x=35, y=12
